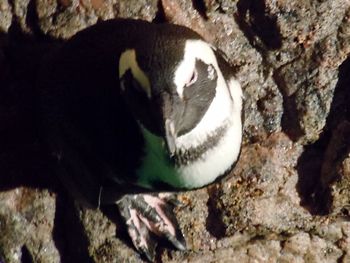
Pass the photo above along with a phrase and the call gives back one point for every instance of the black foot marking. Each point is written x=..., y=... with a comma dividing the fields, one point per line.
x=150, y=213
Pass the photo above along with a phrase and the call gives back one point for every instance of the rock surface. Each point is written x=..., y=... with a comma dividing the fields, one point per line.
x=288, y=198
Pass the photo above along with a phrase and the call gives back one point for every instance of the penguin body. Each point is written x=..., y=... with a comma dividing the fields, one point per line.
x=151, y=106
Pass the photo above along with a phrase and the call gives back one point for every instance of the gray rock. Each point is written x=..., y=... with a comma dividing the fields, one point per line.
x=26, y=226
x=62, y=19
x=288, y=198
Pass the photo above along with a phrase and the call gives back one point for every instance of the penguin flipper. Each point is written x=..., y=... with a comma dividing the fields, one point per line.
x=80, y=171
x=69, y=169
x=147, y=215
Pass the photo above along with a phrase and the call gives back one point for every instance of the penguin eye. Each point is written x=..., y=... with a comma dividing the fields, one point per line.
x=193, y=78
x=211, y=72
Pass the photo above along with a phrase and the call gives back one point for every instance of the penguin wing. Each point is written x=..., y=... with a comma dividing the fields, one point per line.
x=93, y=138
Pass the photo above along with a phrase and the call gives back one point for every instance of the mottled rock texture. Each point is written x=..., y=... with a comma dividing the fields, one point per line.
x=288, y=199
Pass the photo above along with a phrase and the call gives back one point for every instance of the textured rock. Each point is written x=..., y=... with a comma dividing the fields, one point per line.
x=288, y=198
x=26, y=225
x=5, y=16
x=62, y=19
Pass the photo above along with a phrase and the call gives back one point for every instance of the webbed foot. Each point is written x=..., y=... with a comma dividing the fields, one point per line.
x=145, y=214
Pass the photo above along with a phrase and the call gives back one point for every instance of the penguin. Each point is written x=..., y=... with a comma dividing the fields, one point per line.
x=133, y=112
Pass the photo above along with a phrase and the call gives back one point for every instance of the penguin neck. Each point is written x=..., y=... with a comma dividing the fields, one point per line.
x=184, y=156
x=201, y=147
x=194, y=166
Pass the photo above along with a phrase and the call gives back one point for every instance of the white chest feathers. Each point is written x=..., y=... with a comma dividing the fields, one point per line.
x=224, y=114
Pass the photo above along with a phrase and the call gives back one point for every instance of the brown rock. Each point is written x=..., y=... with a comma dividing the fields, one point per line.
x=289, y=57
x=5, y=16
x=26, y=226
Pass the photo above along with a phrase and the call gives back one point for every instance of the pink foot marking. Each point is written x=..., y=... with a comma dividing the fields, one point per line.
x=148, y=213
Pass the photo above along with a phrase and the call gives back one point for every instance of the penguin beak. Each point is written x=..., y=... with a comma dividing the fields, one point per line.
x=170, y=136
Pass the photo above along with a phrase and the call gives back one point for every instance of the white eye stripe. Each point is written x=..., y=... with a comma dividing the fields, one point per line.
x=194, y=49
x=128, y=61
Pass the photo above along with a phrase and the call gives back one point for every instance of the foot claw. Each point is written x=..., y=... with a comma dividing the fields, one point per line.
x=145, y=214
x=178, y=241
x=171, y=199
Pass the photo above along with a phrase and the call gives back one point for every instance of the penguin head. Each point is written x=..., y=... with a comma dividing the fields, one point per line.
x=171, y=85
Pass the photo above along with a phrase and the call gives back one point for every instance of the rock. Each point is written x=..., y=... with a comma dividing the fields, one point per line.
x=250, y=200
x=62, y=19
x=26, y=226
x=145, y=9
x=334, y=178
x=103, y=245
x=5, y=16
x=308, y=77
x=288, y=198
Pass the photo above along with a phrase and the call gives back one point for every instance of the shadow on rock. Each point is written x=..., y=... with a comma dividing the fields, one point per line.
x=24, y=161
x=254, y=21
x=214, y=223
x=317, y=165
x=68, y=233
